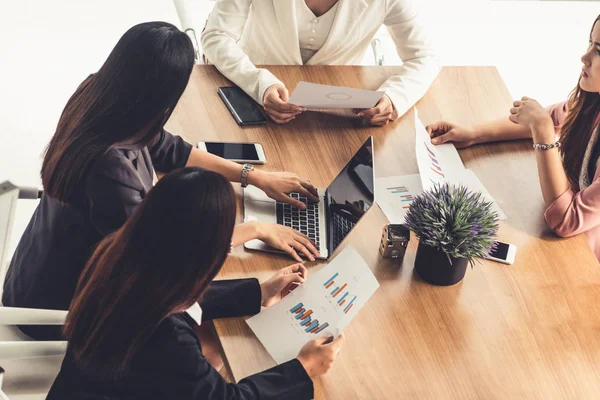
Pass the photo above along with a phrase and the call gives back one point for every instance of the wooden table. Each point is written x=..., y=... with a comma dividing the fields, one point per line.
x=525, y=331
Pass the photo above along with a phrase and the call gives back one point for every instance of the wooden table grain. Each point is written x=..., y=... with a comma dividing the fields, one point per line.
x=530, y=330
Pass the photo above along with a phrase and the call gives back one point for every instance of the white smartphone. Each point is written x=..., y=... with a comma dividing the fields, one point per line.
x=503, y=253
x=251, y=153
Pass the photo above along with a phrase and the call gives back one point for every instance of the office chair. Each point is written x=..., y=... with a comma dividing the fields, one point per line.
x=194, y=13
x=30, y=366
x=192, y=17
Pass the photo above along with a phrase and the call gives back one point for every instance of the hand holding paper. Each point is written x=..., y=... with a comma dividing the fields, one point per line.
x=321, y=307
x=313, y=96
x=437, y=164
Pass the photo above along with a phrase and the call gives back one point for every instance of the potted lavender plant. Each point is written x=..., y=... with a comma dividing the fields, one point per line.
x=454, y=226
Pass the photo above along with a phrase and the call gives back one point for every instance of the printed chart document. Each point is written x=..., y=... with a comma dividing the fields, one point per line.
x=394, y=194
x=314, y=96
x=322, y=306
x=437, y=164
x=470, y=180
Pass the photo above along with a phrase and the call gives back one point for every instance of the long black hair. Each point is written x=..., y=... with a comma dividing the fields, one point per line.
x=126, y=104
x=160, y=262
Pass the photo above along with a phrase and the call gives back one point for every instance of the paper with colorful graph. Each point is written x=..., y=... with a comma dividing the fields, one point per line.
x=437, y=164
x=394, y=195
x=322, y=306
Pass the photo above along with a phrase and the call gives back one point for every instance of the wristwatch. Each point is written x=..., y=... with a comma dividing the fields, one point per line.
x=246, y=168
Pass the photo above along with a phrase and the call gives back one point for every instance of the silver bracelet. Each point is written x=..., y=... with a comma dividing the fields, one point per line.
x=544, y=147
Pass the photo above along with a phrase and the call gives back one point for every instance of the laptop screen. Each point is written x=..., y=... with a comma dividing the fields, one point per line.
x=350, y=195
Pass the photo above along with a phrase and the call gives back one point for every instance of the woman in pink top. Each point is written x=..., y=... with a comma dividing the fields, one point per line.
x=568, y=167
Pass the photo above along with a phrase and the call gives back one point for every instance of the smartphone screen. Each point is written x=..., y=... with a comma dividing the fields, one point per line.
x=233, y=151
x=244, y=109
x=501, y=251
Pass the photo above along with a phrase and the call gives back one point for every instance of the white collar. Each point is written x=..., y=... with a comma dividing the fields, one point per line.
x=195, y=312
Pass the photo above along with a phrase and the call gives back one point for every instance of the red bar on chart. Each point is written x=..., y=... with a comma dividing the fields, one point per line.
x=329, y=284
x=340, y=289
x=306, y=314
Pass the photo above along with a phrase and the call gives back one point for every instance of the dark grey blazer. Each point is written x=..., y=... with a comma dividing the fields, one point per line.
x=60, y=238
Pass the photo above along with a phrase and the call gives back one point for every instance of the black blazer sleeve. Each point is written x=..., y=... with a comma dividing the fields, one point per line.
x=169, y=152
x=231, y=298
x=187, y=375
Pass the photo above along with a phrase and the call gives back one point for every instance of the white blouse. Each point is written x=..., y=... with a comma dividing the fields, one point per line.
x=313, y=31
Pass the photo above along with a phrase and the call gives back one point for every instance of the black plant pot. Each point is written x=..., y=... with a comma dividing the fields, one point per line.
x=434, y=266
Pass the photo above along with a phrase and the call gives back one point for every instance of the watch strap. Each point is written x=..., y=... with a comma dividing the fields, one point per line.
x=246, y=168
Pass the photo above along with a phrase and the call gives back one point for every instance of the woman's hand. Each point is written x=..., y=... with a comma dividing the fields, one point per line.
x=379, y=115
x=287, y=239
x=529, y=113
x=277, y=185
x=445, y=132
x=318, y=355
x=275, y=102
x=282, y=283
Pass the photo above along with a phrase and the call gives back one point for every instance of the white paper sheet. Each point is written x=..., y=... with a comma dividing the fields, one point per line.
x=437, y=164
x=314, y=96
x=470, y=180
x=325, y=303
x=394, y=194
x=442, y=163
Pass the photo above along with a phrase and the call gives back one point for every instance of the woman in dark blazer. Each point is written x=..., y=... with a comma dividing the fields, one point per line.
x=100, y=164
x=128, y=336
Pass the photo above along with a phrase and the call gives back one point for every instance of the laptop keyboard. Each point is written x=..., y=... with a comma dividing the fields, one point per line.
x=341, y=227
x=305, y=221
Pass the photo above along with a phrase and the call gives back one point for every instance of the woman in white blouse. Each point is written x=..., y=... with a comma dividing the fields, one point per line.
x=243, y=33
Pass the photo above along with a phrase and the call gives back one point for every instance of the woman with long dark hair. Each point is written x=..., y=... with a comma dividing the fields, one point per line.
x=100, y=164
x=128, y=336
x=569, y=168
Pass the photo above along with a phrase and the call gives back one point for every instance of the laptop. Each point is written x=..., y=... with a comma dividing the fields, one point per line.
x=349, y=196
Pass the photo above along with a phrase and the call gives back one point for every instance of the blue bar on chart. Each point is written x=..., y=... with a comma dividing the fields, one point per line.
x=349, y=306
x=342, y=299
x=305, y=320
x=334, y=290
x=312, y=325
x=330, y=279
x=296, y=307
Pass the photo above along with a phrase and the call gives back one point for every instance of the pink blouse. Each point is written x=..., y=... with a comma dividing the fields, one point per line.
x=573, y=212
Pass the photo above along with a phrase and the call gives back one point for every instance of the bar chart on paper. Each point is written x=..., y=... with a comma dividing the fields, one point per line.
x=322, y=306
x=435, y=164
x=405, y=197
x=340, y=294
x=395, y=194
x=304, y=316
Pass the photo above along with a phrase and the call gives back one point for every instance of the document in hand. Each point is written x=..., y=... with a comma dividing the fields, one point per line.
x=437, y=164
x=322, y=306
x=314, y=96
